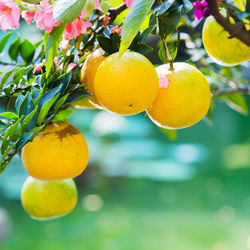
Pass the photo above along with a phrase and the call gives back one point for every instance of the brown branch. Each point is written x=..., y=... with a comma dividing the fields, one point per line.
x=113, y=13
x=234, y=30
x=239, y=89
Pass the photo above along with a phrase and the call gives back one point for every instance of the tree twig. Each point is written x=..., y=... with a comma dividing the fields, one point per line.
x=113, y=13
x=239, y=89
x=234, y=30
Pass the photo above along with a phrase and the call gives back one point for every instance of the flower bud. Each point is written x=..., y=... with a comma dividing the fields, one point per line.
x=89, y=7
x=105, y=6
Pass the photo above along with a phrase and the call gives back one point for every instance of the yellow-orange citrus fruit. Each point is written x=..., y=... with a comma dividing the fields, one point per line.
x=84, y=104
x=59, y=152
x=220, y=47
x=127, y=85
x=184, y=100
x=44, y=200
x=88, y=72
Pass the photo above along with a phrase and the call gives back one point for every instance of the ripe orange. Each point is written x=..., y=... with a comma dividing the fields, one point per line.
x=220, y=47
x=186, y=99
x=127, y=85
x=59, y=152
x=88, y=72
x=44, y=200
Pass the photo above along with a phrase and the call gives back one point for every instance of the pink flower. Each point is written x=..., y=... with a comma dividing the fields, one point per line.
x=28, y=16
x=56, y=61
x=97, y=5
x=64, y=44
x=38, y=67
x=71, y=66
x=117, y=30
x=128, y=2
x=200, y=10
x=163, y=81
x=44, y=17
x=76, y=28
x=9, y=15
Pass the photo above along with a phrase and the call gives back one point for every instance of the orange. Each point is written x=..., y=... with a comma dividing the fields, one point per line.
x=220, y=47
x=88, y=72
x=186, y=99
x=59, y=152
x=45, y=200
x=127, y=85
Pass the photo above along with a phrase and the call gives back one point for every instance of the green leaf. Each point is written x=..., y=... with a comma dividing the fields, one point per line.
x=170, y=133
x=165, y=6
x=115, y=39
x=19, y=74
x=26, y=137
x=169, y=22
x=26, y=122
x=27, y=50
x=26, y=106
x=78, y=96
x=63, y=81
x=162, y=53
x=4, y=40
x=63, y=115
x=60, y=102
x=49, y=95
x=105, y=43
x=9, y=115
x=4, y=162
x=144, y=49
x=133, y=22
x=247, y=6
x=173, y=46
x=45, y=109
x=147, y=32
x=8, y=135
x=187, y=5
x=6, y=76
x=237, y=102
x=19, y=101
x=14, y=49
x=66, y=11
x=52, y=45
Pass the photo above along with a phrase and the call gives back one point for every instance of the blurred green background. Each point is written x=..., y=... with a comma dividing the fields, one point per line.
x=142, y=191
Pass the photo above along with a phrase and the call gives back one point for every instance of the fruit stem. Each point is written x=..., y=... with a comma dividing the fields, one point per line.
x=168, y=54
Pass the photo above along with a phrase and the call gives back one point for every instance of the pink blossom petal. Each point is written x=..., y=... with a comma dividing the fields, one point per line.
x=129, y=2
x=98, y=6
x=56, y=61
x=163, y=82
x=117, y=30
x=39, y=66
x=64, y=44
x=44, y=17
x=71, y=66
x=28, y=16
x=9, y=15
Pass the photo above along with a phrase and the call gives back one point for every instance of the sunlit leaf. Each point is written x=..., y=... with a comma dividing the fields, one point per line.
x=67, y=11
x=133, y=22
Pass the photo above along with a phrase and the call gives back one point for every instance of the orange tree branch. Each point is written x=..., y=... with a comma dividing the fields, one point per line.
x=234, y=30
